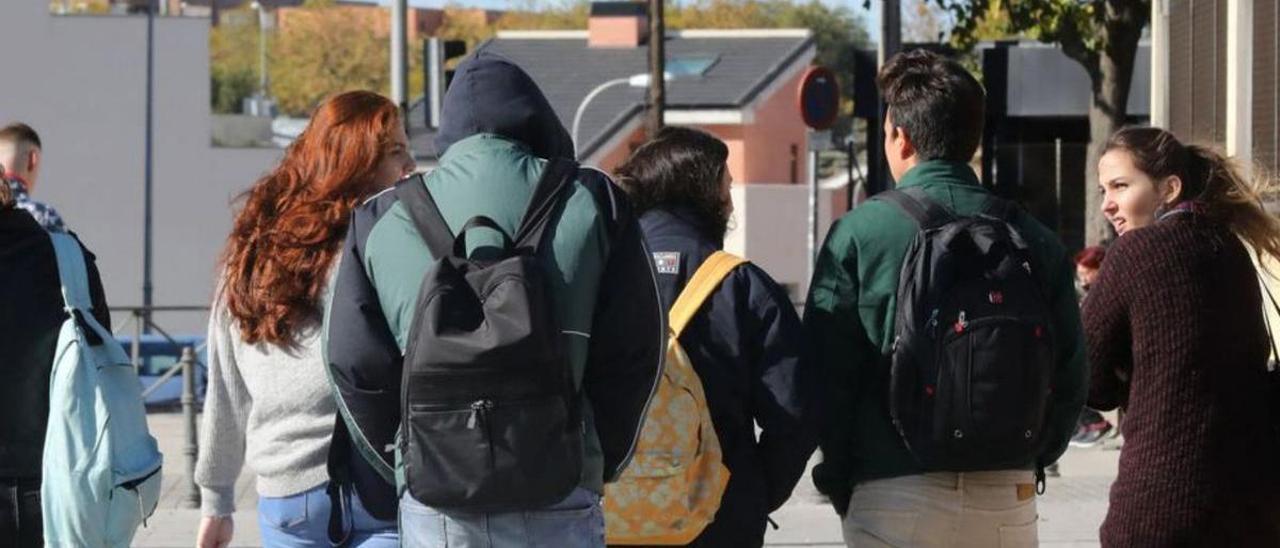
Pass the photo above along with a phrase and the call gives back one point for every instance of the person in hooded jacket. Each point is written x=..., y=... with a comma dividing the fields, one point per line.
x=496, y=138
x=745, y=342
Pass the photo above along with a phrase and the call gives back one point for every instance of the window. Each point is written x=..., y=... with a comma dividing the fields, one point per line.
x=691, y=65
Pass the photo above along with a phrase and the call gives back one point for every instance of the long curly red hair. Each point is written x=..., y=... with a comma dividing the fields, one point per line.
x=285, y=238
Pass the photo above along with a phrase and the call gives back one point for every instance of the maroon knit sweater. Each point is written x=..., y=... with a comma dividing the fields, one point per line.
x=1176, y=337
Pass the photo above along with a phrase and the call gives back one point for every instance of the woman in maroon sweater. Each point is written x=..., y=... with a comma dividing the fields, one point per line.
x=1176, y=337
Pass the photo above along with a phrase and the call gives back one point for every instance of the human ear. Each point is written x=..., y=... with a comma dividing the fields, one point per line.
x=1170, y=189
x=908, y=147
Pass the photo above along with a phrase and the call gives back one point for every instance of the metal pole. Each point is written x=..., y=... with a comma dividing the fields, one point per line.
x=813, y=205
x=582, y=108
x=890, y=29
x=850, y=150
x=262, y=50
x=890, y=44
x=1057, y=180
x=135, y=349
x=192, y=499
x=655, y=116
x=435, y=80
x=399, y=55
x=147, y=257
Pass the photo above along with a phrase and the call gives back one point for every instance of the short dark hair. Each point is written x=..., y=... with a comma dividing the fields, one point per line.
x=940, y=105
x=19, y=132
x=680, y=168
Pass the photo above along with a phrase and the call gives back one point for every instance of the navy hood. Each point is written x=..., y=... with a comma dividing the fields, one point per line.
x=491, y=94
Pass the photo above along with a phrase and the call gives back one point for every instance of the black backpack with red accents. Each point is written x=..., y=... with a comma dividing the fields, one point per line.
x=972, y=358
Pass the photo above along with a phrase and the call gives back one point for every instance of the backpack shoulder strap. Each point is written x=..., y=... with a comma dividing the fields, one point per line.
x=72, y=272
x=917, y=205
x=1000, y=208
x=556, y=176
x=426, y=215
x=704, y=281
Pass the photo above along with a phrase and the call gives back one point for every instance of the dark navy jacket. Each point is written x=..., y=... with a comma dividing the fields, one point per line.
x=746, y=343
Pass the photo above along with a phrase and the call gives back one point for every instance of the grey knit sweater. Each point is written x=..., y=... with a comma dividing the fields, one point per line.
x=266, y=406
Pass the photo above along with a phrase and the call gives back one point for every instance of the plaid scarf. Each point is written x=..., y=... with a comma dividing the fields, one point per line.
x=43, y=214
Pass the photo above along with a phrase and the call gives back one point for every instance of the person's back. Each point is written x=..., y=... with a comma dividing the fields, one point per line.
x=745, y=342
x=933, y=128
x=268, y=405
x=601, y=287
x=1189, y=281
x=30, y=320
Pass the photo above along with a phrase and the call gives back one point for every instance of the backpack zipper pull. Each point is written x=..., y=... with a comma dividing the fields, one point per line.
x=478, y=409
x=961, y=323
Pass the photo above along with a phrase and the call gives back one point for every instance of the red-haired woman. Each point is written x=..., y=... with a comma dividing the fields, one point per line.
x=1092, y=427
x=268, y=403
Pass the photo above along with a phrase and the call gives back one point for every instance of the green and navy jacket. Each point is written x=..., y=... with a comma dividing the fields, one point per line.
x=496, y=134
x=850, y=322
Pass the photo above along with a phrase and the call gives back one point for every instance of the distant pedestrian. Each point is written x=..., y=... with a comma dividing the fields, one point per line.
x=1093, y=427
x=1177, y=339
x=955, y=365
x=22, y=159
x=495, y=330
x=32, y=312
x=268, y=403
x=744, y=341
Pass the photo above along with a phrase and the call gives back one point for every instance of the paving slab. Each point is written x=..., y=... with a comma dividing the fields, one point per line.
x=1071, y=510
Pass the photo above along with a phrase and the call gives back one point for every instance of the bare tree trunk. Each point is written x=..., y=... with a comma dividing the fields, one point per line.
x=1111, y=88
x=657, y=103
x=1111, y=75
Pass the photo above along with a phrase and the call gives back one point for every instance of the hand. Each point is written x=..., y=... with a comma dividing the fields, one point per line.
x=215, y=532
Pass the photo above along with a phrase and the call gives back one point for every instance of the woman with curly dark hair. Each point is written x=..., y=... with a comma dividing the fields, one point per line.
x=745, y=342
x=268, y=403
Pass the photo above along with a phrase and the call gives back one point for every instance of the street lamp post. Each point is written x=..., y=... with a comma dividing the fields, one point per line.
x=635, y=81
x=262, y=47
x=147, y=234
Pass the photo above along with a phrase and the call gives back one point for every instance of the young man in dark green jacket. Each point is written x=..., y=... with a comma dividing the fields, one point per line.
x=933, y=128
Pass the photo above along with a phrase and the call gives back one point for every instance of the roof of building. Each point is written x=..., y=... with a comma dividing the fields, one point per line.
x=744, y=64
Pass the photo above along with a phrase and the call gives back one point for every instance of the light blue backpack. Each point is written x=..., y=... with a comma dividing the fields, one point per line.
x=101, y=475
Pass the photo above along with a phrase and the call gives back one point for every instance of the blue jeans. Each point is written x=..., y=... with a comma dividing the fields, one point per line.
x=302, y=520
x=575, y=522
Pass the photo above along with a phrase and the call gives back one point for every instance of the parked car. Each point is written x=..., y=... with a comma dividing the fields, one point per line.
x=157, y=355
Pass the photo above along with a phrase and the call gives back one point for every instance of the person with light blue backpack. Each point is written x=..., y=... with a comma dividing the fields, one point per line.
x=77, y=464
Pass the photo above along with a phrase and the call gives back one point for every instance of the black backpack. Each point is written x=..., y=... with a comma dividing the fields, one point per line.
x=490, y=418
x=972, y=358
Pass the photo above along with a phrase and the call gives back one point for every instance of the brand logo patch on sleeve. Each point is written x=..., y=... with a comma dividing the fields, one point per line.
x=667, y=262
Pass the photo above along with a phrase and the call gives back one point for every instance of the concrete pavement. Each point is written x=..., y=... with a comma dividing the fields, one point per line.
x=1071, y=509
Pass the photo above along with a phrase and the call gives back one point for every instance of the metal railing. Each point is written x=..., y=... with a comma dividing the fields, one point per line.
x=141, y=321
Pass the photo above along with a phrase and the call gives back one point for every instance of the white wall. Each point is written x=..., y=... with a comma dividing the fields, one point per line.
x=80, y=82
x=771, y=227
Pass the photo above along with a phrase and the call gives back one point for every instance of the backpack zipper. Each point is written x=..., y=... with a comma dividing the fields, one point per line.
x=480, y=417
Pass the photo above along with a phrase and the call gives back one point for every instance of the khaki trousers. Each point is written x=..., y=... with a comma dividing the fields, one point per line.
x=945, y=509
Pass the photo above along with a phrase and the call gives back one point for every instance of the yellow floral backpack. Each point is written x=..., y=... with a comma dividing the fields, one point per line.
x=671, y=490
